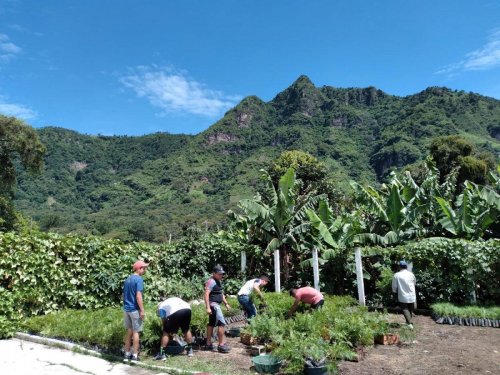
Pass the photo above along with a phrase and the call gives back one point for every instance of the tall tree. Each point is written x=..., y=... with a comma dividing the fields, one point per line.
x=456, y=152
x=312, y=173
x=18, y=143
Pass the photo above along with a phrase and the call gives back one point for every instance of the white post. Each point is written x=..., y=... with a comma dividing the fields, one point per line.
x=243, y=261
x=315, y=268
x=359, y=274
x=277, y=284
x=409, y=267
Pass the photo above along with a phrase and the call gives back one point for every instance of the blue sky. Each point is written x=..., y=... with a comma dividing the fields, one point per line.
x=138, y=67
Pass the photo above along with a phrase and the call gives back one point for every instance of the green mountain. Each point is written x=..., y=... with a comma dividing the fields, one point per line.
x=154, y=186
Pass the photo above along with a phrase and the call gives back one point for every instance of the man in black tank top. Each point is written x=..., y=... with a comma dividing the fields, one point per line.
x=214, y=297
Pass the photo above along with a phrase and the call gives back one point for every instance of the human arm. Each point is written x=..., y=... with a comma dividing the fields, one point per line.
x=394, y=285
x=138, y=296
x=228, y=306
x=294, y=307
x=258, y=291
x=207, y=303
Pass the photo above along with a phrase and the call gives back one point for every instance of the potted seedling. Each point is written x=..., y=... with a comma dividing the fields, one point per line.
x=385, y=337
x=302, y=353
x=315, y=361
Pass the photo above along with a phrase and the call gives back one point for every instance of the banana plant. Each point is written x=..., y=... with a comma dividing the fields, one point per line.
x=278, y=221
x=476, y=209
x=402, y=209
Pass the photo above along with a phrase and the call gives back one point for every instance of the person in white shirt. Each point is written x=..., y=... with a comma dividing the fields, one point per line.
x=245, y=295
x=174, y=313
x=403, y=284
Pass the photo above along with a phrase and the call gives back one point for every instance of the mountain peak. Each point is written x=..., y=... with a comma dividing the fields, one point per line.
x=302, y=81
x=302, y=97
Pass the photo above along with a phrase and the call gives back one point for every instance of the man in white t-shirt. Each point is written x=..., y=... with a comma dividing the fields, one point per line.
x=174, y=313
x=403, y=284
x=245, y=295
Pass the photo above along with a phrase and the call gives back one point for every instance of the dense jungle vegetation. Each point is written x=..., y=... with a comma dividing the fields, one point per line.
x=151, y=187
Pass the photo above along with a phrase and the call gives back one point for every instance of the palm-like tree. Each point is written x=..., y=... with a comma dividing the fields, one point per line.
x=476, y=209
x=278, y=221
x=402, y=209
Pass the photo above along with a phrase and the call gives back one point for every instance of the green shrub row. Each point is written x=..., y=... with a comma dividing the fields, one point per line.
x=445, y=309
x=103, y=328
x=332, y=333
x=45, y=272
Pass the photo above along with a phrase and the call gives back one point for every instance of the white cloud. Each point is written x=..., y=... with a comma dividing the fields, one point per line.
x=483, y=58
x=8, y=50
x=174, y=91
x=16, y=110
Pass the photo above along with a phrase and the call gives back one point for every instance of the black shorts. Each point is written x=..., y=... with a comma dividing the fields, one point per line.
x=318, y=305
x=212, y=317
x=179, y=319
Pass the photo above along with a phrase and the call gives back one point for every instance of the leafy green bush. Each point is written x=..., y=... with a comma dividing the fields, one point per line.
x=331, y=333
x=46, y=272
x=446, y=269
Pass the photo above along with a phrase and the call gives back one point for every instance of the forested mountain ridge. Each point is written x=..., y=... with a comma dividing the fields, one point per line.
x=148, y=187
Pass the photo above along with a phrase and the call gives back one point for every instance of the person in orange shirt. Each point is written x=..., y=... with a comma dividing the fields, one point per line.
x=306, y=295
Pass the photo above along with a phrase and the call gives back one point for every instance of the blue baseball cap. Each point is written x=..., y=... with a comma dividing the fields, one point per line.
x=403, y=263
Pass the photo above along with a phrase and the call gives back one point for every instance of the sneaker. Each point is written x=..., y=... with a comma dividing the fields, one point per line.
x=224, y=348
x=160, y=357
x=134, y=359
x=190, y=352
x=410, y=326
x=127, y=357
x=209, y=347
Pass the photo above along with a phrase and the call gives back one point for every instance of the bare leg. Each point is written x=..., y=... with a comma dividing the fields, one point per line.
x=188, y=337
x=136, y=342
x=220, y=334
x=164, y=340
x=128, y=340
x=210, y=332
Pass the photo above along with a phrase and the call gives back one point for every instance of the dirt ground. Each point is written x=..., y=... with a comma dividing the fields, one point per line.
x=238, y=359
x=437, y=349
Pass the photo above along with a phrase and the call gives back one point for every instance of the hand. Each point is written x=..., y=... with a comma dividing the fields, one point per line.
x=142, y=314
x=209, y=311
x=228, y=307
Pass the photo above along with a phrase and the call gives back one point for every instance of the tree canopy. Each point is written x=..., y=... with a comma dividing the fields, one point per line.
x=19, y=143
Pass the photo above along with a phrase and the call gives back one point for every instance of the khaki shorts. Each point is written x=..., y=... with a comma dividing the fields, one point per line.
x=131, y=320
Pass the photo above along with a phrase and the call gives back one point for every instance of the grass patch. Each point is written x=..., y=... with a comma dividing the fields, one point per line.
x=451, y=310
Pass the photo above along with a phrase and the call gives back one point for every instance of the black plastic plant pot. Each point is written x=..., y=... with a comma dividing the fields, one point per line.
x=323, y=370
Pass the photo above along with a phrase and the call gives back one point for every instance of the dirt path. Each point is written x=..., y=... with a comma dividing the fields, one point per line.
x=438, y=349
